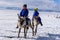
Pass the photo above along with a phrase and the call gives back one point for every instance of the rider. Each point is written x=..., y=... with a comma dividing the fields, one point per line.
x=36, y=14
x=24, y=13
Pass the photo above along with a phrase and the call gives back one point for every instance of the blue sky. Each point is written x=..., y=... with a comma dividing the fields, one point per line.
x=42, y=4
x=16, y=1
x=57, y=1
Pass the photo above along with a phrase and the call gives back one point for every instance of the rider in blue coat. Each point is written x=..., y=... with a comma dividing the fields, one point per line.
x=36, y=14
x=24, y=13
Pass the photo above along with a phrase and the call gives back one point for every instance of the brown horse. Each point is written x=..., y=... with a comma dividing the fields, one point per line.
x=22, y=24
x=35, y=24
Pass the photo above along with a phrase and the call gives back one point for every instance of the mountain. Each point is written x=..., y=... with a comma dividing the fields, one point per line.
x=31, y=9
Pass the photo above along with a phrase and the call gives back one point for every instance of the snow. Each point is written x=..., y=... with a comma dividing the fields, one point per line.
x=49, y=31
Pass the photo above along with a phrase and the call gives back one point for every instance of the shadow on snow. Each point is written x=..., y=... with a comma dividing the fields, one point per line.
x=50, y=37
x=17, y=37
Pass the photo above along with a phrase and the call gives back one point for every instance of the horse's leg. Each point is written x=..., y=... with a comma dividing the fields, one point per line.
x=25, y=31
x=36, y=30
x=19, y=32
x=33, y=30
x=32, y=27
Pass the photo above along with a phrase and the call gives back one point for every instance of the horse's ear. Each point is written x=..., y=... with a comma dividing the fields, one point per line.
x=18, y=16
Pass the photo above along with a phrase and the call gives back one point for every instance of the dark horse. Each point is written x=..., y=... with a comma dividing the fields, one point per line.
x=22, y=24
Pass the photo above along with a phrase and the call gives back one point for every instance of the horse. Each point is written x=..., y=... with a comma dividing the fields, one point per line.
x=35, y=24
x=22, y=24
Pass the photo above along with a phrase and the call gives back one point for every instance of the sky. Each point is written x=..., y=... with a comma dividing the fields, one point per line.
x=41, y=4
x=57, y=1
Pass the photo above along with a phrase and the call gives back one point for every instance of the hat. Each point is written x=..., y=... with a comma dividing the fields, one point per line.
x=35, y=9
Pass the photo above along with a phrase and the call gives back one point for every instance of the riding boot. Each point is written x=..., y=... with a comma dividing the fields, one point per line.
x=39, y=19
x=41, y=23
x=27, y=22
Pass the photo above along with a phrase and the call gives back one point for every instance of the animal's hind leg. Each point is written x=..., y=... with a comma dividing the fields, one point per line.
x=25, y=32
x=19, y=32
x=32, y=31
x=35, y=30
x=32, y=27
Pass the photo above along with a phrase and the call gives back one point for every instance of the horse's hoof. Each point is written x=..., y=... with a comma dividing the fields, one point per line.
x=16, y=27
x=27, y=27
x=41, y=24
x=24, y=37
x=18, y=36
x=33, y=35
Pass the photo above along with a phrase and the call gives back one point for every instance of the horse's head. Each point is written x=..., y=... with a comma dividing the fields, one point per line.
x=22, y=20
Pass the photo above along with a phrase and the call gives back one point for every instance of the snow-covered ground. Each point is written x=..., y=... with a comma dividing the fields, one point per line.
x=49, y=31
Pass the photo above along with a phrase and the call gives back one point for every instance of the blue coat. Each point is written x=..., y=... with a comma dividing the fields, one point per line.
x=35, y=13
x=24, y=13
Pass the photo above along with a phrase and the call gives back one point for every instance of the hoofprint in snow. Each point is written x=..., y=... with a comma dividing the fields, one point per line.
x=49, y=31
